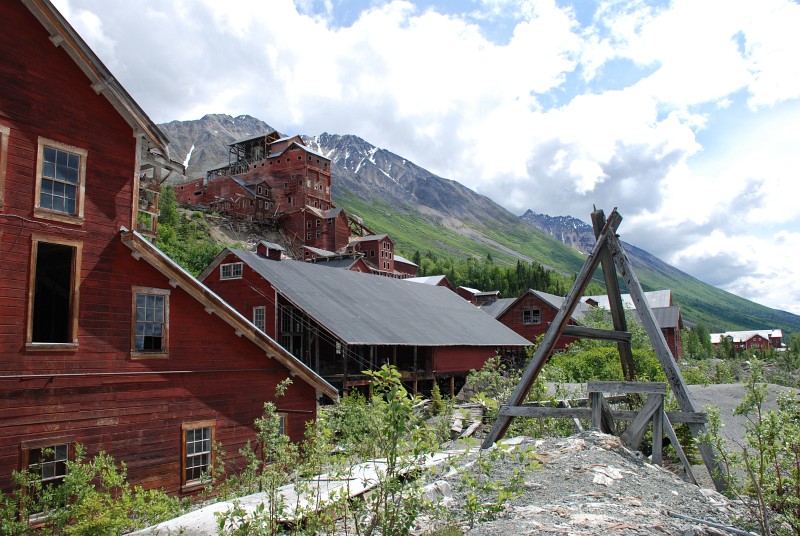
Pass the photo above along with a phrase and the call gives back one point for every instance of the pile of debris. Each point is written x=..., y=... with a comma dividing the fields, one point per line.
x=590, y=484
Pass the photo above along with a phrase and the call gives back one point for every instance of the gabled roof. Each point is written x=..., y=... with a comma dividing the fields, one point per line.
x=742, y=336
x=666, y=317
x=102, y=81
x=498, y=308
x=364, y=309
x=178, y=277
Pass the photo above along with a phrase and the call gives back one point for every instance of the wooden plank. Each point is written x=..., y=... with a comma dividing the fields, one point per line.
x=673, y=438
x=664, y=356
x=658, y=435
x=632, y=436
x=627, y=387
x=563, y=316
x=614, y=298
x=596, y=398
x=598, y=334
x=528, y=410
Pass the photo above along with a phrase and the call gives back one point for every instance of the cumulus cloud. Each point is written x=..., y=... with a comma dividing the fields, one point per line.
x=684, y=115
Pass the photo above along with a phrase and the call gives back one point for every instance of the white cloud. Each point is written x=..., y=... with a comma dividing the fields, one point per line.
x=645, y=108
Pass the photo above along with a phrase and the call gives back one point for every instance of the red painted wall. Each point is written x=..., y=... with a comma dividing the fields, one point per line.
x=96, y=394
x=454, y=359
x=513, y=319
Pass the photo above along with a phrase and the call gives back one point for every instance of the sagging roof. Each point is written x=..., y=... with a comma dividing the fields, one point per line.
x=63, y=35
x=363, y=309
x=253, y=137
x=178, y=277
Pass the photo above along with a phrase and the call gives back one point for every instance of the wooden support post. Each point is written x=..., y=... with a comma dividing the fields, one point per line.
x=658, y=435
x=664, y=356
x=596, y=400
x=545, y=348
x=673, y=438
x=452, y=386
x=614, y=299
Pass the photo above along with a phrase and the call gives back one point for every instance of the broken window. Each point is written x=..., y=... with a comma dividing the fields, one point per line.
x=151, y=321
x=53, y=311
x=531, y=316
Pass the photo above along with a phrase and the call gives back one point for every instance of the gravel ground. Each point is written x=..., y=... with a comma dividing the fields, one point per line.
x=590, y=484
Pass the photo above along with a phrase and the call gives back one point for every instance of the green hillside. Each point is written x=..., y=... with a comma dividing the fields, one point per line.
x=699, y=302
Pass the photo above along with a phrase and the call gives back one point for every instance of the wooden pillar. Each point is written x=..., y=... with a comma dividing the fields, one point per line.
x=452, y=386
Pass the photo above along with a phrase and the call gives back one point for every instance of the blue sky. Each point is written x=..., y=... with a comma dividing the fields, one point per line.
x=685, y=115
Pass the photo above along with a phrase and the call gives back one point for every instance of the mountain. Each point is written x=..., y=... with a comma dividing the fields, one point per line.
x=425, y=212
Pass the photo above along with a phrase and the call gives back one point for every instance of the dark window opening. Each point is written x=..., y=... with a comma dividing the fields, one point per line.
x=52, y=302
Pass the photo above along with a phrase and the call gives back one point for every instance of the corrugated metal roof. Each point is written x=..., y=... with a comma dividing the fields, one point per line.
x=666, y=317
x=497, y=307
x=363, y=309
x=655, y=298
x=425, y=280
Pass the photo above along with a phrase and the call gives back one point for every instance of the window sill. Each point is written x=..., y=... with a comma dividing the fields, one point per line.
x=51, y=346
x=63, y=217
x=149, y=355
x=192, y=487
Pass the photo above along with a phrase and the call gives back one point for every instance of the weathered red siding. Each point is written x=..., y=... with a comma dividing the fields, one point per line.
x=513, y=319
x=461, y=359
x=96, y=394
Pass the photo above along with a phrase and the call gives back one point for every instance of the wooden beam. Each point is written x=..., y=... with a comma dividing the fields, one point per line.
x=664, y=356
x=627, y=387
x=594, y=333
x=528, y=410
x=563, y=316
x=673, y=438
x=614, y=299
x=632, y=436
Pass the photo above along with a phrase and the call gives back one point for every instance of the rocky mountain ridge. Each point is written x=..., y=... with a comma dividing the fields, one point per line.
x=437, y=214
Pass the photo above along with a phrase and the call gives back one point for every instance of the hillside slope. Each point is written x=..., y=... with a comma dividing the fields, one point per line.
x=424, y=212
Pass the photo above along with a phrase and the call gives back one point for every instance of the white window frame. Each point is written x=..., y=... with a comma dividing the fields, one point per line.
x=231, y=270
x=260, y=317
x=80, y=186
x=5, y=132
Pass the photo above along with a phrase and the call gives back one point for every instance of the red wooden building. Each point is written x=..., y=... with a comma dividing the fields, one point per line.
x=760, y=339
x=531, y=314
x=340, y=323
x=105, y=341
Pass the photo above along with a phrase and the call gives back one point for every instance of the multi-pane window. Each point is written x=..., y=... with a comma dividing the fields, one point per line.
x=230, y=271
x=49, y=463
x=4, y=133
x=531, y=316
x=60, y=178
x=198, y=454
x=61, y=172
x=151, y=320
x=260, y=317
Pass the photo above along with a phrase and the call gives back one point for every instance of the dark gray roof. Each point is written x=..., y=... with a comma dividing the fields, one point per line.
x=557, y=301
x=364, y=309
x=497, y=307
x=345, y=263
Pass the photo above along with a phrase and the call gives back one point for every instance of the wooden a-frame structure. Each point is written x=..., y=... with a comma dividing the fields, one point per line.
x=609, y=254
